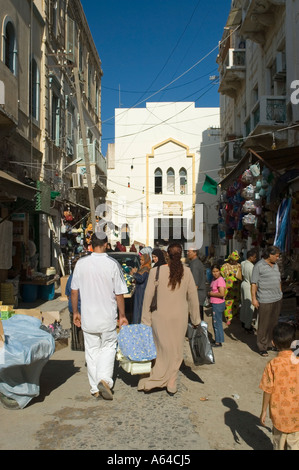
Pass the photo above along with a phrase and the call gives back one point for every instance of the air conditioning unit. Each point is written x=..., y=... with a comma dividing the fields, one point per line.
x=77, y=180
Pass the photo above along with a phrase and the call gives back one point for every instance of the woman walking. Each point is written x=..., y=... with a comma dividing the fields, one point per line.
x=216, y=295
x=141, y=278
x=232, y=273
x=176, y=291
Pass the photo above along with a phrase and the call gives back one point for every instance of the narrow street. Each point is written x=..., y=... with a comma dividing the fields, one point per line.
x=216, y=408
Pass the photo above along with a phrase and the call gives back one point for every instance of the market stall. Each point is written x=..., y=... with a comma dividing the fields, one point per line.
x=258, y=207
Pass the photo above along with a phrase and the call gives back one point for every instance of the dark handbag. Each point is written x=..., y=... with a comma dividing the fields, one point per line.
x=201, y=349
x=153, y=305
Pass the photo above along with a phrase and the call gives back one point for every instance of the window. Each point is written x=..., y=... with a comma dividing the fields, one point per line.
x=54, y=16
x=71, y=40
x=89, y=81
x=55, y=131
x=183, y=181
x=34, y=90
x=158, y=181
x=55, y=109
x=10, y=46
x=170, y=180
x=97, y=100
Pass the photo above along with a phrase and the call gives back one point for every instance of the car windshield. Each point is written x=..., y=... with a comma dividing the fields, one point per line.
x=131, y=261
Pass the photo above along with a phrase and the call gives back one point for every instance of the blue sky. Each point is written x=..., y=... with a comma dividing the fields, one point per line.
x=151, y=45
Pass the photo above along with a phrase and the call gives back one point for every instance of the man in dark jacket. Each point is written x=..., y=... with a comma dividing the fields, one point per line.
x=199, y=275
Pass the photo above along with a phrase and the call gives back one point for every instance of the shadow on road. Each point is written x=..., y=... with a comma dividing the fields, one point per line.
x=53, y=375
x=245, y=426
x=188, y=372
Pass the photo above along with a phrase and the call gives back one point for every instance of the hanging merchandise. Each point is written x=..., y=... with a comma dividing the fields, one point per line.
x=248, y=192
x=68, y=215
x=247, y=177
x=255, y=169
x=283, y=225
x=63, y=227
x=249, y=206
x=249, y=220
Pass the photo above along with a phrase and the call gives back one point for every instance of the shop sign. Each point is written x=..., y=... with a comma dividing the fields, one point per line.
x=172, y=208
x=18, y=216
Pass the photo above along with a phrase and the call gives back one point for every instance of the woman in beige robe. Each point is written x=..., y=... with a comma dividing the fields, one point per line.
x=176, y=298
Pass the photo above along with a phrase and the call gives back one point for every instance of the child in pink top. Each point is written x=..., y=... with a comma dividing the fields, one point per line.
x=216, y=295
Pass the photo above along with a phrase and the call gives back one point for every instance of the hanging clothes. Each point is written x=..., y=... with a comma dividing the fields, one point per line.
x=283, y=225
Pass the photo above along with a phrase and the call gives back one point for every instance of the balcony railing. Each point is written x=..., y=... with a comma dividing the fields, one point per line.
x=95, y=156
x=233, y=71
x=269, y=111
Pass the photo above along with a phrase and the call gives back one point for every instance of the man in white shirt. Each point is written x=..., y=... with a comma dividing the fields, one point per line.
x=102, y=286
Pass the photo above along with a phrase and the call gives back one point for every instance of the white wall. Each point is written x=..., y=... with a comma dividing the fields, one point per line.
x=160, y=135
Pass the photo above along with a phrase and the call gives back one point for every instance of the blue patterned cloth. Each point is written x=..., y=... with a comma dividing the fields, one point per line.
x=136, y=342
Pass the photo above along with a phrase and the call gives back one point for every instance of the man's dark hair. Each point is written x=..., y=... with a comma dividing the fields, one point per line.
x=270, y=250
x=251, y=252
x=98, y=239
x=283, y=335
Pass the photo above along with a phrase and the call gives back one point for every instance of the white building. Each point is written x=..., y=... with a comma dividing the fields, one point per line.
x=153, y=170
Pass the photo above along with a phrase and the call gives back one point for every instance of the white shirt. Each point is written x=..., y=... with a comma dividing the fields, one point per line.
x=99, y=278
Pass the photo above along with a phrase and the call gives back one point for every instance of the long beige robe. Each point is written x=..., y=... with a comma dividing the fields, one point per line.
x=169, y=323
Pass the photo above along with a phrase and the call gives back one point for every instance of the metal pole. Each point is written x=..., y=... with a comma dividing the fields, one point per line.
x=85, y=149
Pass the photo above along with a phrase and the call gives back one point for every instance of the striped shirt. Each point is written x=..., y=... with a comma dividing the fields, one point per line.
x=268, y=281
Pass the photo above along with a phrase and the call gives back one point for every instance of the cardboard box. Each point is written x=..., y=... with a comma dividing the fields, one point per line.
x=61, y=343
x=6, y=311
x=49, y=317
x=63, y=282
x=32, y=312
x=2, y=337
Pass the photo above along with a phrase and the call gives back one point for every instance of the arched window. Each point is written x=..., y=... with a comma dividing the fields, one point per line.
x=170, y=180
x=183, y=181
x=10, y=46
x=158, y=181
x=34, y=90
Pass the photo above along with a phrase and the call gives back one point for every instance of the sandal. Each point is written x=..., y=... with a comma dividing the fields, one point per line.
x=264, y=353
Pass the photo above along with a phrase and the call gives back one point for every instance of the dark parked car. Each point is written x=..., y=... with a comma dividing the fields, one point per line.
x=127, y=261
x=130, y=259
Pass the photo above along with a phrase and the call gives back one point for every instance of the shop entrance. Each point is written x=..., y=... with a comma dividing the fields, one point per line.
x=168, y=230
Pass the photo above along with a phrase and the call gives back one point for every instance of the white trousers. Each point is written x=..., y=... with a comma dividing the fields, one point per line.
x=100, y=350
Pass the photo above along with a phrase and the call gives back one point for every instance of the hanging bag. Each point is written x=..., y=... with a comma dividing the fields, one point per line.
x=201, y=350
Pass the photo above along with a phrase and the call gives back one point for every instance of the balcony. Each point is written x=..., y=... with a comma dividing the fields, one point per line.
x=95, y=156
x=232, y=153
x=233, y=72
x=9, y=111
x=268, y=114
x=258, y=15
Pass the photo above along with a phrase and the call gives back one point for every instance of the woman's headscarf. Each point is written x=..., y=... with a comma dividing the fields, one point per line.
x=233, y=256
x=161, y=258
x=147, y=264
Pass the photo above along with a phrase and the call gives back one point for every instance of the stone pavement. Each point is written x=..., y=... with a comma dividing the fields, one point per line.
x=217, y=406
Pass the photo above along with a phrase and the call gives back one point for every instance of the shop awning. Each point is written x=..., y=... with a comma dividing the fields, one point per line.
x=279, y=161
x=14, y=188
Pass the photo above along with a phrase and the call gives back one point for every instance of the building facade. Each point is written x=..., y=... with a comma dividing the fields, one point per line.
x=258, y=73
x=153, y=171
x=43, y=44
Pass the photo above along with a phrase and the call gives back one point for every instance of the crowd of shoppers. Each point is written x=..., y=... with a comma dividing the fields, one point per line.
x=250, y=288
